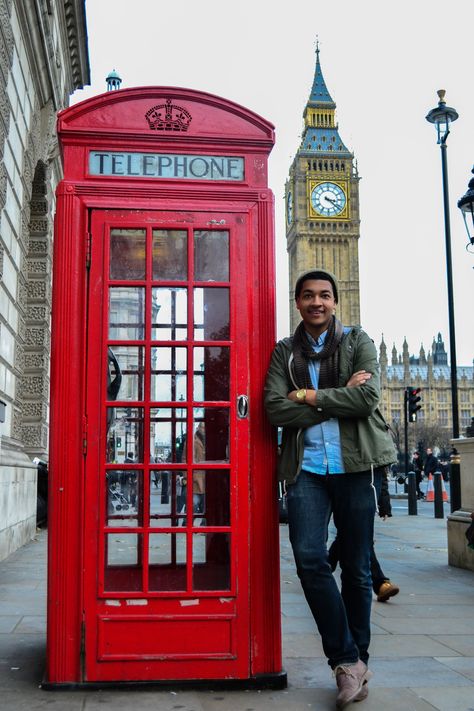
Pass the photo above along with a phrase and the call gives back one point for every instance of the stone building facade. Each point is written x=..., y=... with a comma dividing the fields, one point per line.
x=322, y=204
x=432, y=374
x=43, y=59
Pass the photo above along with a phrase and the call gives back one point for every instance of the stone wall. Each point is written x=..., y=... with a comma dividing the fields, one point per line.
x=17, y=502
x=34, y=84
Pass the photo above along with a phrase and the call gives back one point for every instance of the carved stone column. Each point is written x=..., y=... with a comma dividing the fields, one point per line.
x=35, y=381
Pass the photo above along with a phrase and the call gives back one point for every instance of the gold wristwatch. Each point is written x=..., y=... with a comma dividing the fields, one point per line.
x=301, y=395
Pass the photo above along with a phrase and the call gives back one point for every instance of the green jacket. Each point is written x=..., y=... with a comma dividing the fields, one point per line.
x=365, y=438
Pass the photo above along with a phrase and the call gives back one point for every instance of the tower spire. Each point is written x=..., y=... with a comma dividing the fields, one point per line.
x=320, y=132
x=320, y=96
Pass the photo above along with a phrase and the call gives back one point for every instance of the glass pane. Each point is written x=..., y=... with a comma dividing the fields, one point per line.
x=127, y=254
x=211, y=561
x=211, y=373
x=126, y=313
x=124, y=497
x=211, y=255
x=170, y=254
x=123, y=562
x=167, y=561
x=125, y=373
x=211, y=314
x=169, y=314
x=211, y=500
x=114, y=376
x=167, y=498
x=168, y=373
x=168, y=434
x=211, y=434
x=124, y=434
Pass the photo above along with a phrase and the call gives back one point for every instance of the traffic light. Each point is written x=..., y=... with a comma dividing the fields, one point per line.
x=413, y=398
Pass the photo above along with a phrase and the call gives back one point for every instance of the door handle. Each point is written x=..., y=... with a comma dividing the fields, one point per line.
x=242, y=406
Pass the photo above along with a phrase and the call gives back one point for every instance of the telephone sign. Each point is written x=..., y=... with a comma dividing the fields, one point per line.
x=166, y=165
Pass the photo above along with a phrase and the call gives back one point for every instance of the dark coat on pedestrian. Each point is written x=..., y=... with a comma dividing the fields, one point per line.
x=431, y=464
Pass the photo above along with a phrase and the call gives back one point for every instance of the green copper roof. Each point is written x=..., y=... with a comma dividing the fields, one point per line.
x=319, y=92
x=324, y=140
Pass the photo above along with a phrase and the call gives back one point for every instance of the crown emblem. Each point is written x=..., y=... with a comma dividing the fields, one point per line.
x=168, y=117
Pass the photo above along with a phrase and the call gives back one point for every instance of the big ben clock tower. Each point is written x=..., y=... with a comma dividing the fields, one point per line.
x=322, y=204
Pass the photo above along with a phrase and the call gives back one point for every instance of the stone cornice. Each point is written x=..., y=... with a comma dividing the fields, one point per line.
x=74, y=18
x=36, y=20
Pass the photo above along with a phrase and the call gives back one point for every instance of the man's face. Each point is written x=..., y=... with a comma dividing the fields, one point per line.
x=316, y=304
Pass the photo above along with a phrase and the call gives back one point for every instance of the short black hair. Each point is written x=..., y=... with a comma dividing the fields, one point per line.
x=316, y=274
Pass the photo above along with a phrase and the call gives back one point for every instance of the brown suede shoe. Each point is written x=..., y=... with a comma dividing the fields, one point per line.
x=387, y=590
x=351, y=680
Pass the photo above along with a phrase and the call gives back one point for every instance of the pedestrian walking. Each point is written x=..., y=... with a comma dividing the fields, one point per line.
x=417, y=467
x=323, y=388
x=382, y=586
x=431, y=463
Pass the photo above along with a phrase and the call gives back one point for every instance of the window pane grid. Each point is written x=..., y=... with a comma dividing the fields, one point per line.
x=150, y=547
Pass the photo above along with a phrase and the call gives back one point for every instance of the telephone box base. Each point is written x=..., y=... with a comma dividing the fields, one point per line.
x=274, y=681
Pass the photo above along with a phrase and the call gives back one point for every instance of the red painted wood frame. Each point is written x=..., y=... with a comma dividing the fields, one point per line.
x=79, y=605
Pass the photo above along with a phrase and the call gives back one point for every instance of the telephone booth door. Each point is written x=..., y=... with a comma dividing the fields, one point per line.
x=166, y=523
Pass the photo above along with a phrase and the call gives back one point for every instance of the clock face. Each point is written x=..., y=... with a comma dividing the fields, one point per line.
x=289, y=207
x=328, y=199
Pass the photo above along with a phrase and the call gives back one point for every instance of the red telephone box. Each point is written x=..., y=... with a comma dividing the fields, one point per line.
x=163, y=528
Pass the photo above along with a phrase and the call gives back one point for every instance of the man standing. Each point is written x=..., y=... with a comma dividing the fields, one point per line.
x=323, y=388
x=431, y=463
x=417, y=468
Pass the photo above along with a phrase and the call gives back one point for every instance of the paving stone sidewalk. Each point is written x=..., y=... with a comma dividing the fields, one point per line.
x=422, y=650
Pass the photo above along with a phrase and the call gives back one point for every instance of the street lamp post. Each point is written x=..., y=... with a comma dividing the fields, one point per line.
x=442, y=116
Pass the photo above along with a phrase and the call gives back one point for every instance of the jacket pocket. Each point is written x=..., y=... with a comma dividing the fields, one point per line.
x=379, y=420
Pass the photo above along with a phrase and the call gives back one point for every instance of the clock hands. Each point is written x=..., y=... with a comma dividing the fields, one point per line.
x=334, y=203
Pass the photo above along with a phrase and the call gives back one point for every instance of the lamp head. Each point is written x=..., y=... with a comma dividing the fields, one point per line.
x=442, y=116
x=466, y=205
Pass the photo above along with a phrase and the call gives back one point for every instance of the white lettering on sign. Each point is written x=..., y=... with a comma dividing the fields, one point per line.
x=165, y=165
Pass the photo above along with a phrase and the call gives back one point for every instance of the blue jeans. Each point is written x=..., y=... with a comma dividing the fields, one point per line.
x=342, y=617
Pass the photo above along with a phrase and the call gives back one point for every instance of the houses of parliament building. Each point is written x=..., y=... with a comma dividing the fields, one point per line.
x=323, y=228
x=432, y=374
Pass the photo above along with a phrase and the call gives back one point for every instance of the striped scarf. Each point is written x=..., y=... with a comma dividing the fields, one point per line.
x=329, y=356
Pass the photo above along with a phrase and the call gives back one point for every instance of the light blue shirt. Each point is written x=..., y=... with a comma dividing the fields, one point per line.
x=322, y=443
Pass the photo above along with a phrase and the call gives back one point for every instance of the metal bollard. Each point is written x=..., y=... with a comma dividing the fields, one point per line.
x=438, y=496
x=412, y=505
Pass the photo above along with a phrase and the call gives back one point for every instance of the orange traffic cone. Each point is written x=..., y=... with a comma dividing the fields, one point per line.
x=430, y=490
x=443, y=489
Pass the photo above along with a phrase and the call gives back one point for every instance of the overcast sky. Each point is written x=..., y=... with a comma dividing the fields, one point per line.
x=383, y=64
